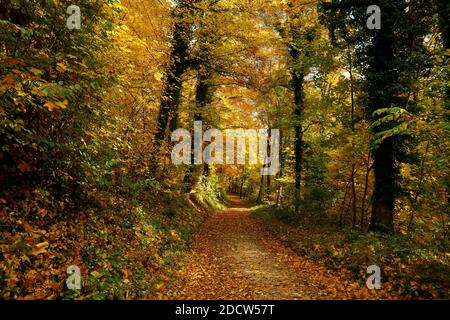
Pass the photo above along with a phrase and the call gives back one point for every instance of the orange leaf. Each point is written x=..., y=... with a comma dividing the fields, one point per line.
x=8, y=81
x=55, y=105
x=50, y=105
x=39, y=248
x=14, y=61
x=24, y=167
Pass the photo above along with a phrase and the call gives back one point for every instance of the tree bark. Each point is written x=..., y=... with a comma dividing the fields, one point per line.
x=297, y=81
x=353, y=173
x=366, y=188
x=280, y=174
x=202, y=98
x=260, y=192
x=382, y=89
x=178, y=64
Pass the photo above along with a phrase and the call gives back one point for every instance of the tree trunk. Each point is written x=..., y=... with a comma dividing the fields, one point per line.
x=298, y=80
x=444, y=18
x=178, y=64
x=353, y=173
x=280, y=174
x=382, y=89
x=260, y=192
x=385, y=188
x=341, y=214
x=202, y=98
x=366, y=188
x=268, y=177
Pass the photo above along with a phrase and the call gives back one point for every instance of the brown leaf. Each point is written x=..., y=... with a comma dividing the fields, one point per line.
x=28, y=227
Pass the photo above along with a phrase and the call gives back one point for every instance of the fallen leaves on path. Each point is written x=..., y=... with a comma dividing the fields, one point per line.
x=232, y=257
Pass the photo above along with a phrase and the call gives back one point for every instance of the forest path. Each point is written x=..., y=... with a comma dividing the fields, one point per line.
x=232, y=257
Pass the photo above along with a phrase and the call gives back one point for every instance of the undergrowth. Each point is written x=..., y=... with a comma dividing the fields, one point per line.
x=409, y=268
x=126, y=247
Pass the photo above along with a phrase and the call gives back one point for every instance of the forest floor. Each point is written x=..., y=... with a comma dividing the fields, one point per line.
x=233, y=257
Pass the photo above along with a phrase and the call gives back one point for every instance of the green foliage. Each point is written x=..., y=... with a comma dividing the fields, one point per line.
x=51, y=79
x=212, y=191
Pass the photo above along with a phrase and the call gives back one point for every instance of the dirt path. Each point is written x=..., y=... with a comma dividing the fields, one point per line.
x=233, y=258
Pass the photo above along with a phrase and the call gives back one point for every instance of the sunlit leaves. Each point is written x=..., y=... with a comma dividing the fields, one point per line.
x=55, y=105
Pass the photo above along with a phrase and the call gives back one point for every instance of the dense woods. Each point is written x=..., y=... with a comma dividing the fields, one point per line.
x=87, y=116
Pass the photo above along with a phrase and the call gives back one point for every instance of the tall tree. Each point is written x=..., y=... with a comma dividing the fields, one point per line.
x=443, y=7
x=179, y=61
x=203, y=96
x=386, y=58
x=297, y=37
